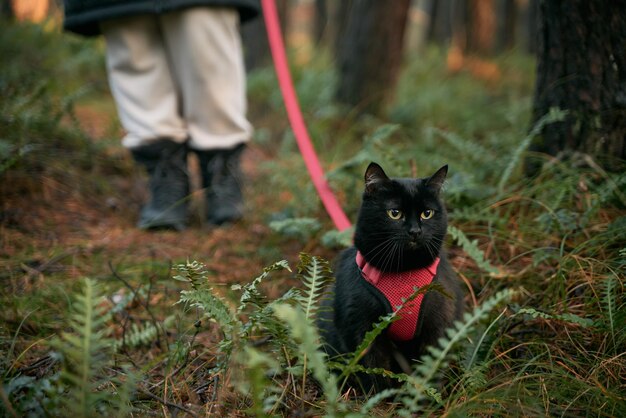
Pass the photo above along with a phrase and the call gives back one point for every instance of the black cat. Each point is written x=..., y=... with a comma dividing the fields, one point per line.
x=397, y=245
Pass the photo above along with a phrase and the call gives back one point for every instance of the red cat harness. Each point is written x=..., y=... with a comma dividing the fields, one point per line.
x=397, y=287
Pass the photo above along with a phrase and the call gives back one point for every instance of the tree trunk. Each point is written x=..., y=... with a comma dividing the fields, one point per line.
x=481, y=27
x=6, y=9
x=321, y=20
x=532, y=26
x=371, y=53
x=581, y=68
x=440, y=21
x=342, y=18
x=254, y=38
x=507, y=24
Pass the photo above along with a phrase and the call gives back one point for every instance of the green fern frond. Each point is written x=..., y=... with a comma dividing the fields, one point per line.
x=310, y=353
x=192, y=272
x=315, y=274
x=257, y=385
x=437, y=357
x=249, y=292
x=471, y=248
x=142, y=335
x=566, y=317
x=370, y=336
x=215, y=308
x=85, y=351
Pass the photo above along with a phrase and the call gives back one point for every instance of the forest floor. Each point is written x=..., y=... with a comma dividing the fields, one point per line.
x=70, y=197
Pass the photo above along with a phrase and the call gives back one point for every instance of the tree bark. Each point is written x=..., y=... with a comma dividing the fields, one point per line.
x=581, y=68
x=371, y=53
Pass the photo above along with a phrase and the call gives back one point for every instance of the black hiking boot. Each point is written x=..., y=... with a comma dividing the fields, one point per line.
x=221, y=179
x=166, y=164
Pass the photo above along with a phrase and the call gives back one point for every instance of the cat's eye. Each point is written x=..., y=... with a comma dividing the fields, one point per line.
x=427, y=214
x=395, y=214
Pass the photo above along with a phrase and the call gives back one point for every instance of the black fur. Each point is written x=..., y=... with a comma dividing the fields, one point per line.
x=354, y=305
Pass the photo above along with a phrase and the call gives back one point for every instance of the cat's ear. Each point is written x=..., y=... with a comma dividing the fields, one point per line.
x=436, y=180
x=374, y=176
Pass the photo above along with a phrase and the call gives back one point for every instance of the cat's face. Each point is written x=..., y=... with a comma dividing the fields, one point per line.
x=402, y=223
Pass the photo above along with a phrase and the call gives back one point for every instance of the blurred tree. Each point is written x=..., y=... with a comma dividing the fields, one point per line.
x=6, y=9
x=480, y=27
x=254, y=38
x=507, y=16
x=440, y=23
x=370, y=52
x=320, y=21
x=581, y=68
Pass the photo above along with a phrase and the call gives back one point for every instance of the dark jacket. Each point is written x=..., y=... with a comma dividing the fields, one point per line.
x=84, y=16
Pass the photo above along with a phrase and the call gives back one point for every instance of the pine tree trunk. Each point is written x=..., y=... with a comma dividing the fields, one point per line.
x=581, y=68
x=371, y=53
x=481, y=25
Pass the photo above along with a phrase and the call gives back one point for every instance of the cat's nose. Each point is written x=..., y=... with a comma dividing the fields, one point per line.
x=415, y=232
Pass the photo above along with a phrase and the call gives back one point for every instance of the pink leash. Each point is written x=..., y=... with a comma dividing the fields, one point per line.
x=296, y=120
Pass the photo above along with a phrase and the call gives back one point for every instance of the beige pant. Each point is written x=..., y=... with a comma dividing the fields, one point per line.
x=179, y=75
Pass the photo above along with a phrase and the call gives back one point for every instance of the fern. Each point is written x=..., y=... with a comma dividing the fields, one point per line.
x=566, y=317
x=249, y=292
x=315, y=274
x=352, y=366
x=417, y=384
x=471, y=248
x=238, y=326
x=310, y=352
x=192, y=272
x=216, y=309
x=259, y=366
x=85, y=351
x=142, y=335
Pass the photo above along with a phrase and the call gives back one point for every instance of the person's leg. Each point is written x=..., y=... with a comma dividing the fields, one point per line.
x=204, y=47
x=148, y=106
x=205, y=50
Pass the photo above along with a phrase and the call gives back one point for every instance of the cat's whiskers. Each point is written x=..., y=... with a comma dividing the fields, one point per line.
x=379, y=249
x=391, y=255
x=433, y=246
x=387, y=252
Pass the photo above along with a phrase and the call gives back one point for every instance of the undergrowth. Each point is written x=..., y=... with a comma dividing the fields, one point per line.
x=543, y=259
